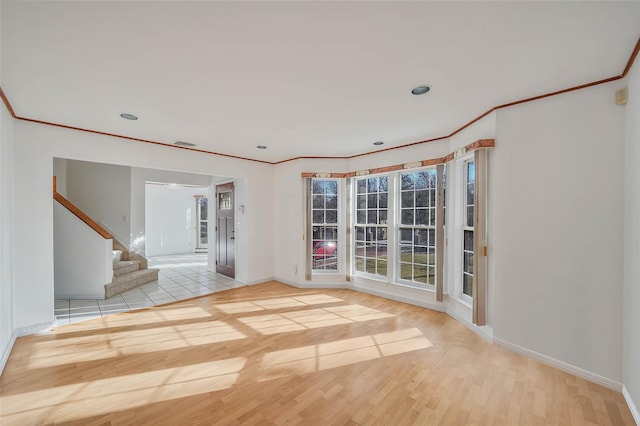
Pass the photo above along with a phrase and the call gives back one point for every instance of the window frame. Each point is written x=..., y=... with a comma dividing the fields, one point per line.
x=466, y=227
x=431, y=231
x=355, y=224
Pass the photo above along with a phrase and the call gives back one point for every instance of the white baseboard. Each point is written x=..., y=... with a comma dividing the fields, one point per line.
x=83, y=296
x=260, y=281
x=485, y=332
x=632, y=406
x=433, y=306
x=7, y=351
x=33, y=329
x=312, y=284
x=19, y=332
x=560, y=365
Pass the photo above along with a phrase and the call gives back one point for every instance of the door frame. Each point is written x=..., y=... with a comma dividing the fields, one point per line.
x=229, y=271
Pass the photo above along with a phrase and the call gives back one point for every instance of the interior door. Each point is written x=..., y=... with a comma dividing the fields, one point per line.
x=225, y=230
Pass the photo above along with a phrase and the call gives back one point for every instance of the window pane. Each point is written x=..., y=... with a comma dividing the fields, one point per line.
x=362, y=186
x=318, y=187
x=470, y=216
x=470, y=191
x=372, y=201
x=422, y=198
x=359, y=264
x=407, y=199
x=382, y=216
x=406, y=271
x=331, y=187
x=362, y=202
x=421, y=179
x=318, y=216
x=372, y=184
x=384, y=185
x=420, y=273
x=406, y=181
x=382, y=267
x=407, y=217
x=372, y=216
x=204, y=211
x=371, y=266
x=422, y=217
x=332, y=201
x=332, y=216
x=382, y=201
x=359, y=233
x=318, y=201
x=467, y=285
x=468, y=262
x=361, y=216
x=406, y=235
x=468, y=240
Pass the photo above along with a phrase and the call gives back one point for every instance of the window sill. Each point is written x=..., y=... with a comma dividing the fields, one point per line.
x=429, y=289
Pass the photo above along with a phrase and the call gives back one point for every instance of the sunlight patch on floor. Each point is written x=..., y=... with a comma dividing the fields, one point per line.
x=71, y=402
x=324, y=356
x=276, y=303
x=312, y=318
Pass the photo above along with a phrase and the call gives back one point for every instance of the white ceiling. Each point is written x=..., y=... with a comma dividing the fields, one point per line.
x=303, y=78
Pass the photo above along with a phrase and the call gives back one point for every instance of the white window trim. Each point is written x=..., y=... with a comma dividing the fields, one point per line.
x=334, y=274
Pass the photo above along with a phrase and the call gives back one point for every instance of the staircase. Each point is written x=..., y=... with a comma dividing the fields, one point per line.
x=129, y=271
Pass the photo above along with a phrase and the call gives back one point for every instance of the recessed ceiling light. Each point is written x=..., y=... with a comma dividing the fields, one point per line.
x=420, y=90
x=181, y=143
x=128, y=116
x=261, y=147
x=378, y=143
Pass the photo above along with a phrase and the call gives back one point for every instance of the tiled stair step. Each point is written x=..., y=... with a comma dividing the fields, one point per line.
x=125, y=266
x=128, y=281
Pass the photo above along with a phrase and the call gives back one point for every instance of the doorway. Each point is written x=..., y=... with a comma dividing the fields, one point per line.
x=225, y=230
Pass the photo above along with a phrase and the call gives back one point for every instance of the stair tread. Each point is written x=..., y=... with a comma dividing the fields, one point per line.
x=136, y=274
x=124, y=263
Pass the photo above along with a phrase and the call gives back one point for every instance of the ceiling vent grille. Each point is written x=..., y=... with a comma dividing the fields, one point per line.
x=181, y=143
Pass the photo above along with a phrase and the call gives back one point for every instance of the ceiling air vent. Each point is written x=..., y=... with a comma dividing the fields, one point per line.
x=181, y=143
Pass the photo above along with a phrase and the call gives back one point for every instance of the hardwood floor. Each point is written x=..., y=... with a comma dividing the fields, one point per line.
x=274, y=354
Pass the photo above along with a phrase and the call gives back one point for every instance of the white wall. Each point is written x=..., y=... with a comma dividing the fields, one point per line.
x=83, y=260
x=6, y=236
x=36, y=146
x=139, y=177
x=103, y=192
x=60, y=172
x=631, y=289
x=557, y=196
x=171, y=220
x=289, y=212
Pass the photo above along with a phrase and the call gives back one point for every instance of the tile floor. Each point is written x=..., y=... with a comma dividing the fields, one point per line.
x=180, y=277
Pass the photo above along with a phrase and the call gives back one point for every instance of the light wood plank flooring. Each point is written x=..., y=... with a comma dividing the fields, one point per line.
x=273, y=354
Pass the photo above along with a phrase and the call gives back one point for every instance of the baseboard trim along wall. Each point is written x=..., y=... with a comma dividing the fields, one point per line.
x=560, y=365
x=33, y=329
x=632, y=406
x=312, y=284
x=94, y=296
x=260, y=281
x=19, y=332
x=433, y=306
x=7, y=351
x=485, y=332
